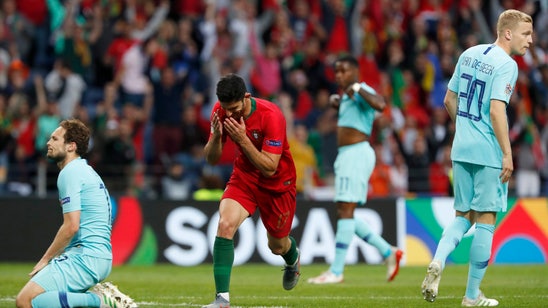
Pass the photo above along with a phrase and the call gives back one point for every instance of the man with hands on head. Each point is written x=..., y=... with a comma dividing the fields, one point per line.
x=263, y=178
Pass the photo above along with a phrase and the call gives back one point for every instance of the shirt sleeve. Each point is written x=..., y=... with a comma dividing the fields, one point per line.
x=275, y=130
x=70, y=190
x=504, y=81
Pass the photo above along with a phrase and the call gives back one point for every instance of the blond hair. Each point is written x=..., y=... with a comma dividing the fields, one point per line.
x=510, y=18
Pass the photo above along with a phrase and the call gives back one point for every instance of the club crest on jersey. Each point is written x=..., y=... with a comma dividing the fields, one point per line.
x=256, y=134
x=508, y=90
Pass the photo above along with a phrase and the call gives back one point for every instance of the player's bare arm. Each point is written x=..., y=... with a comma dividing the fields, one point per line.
x=500, y=127
x=374, y=100
x=71, y=225
x=267, y=163
x=450, y=102
x=214, y=147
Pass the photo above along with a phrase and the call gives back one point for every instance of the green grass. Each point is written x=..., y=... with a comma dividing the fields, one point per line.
x=259, y=285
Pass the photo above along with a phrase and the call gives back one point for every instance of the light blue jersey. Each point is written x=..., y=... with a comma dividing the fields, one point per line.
x=483, y=72
x=356, y=113
x=355, y=162
x=81, y=188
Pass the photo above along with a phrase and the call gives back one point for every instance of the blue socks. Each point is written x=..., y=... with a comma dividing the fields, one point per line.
x=480, y=252
x=343, y=237
x=345, y=231
x=65, y=299
x=451, y=238
x=364, y=232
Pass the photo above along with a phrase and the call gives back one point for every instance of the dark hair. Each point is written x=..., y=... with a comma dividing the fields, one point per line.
x=77, y=132
x=348, y=59
x=231, y=88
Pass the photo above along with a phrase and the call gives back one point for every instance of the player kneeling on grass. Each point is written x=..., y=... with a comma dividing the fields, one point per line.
x=80, y=255
x=263, y=178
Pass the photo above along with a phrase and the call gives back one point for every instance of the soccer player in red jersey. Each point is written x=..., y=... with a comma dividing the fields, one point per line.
x=263, y=177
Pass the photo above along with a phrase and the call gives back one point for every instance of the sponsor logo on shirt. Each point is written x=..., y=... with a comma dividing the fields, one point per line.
x=65, y=200
x=508, y=90
x=273, y=143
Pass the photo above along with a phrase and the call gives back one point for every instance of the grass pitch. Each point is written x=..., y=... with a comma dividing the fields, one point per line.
x=259, y=285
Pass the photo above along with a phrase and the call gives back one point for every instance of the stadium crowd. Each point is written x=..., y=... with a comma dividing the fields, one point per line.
x=142, y=75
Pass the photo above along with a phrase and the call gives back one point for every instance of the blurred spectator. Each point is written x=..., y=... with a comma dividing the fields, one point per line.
x=66, y=86
x=539, y=83
x=303, y=154
x=266, y=76
x=325, y=134
x=437, y=133
x=18, y=80
x=399, y=175
x=131, y=76
x=311, y=60
x=544, y=148
x=418, y=164
x=337, y=22
x=118, y=155
x=380, y=182
x=529, y=157
x=5, y=143
x=175, y=183
x=184, y=52
x=17, y=30
x=305, y=23
x=440, y=184
x=23, y=127
x=195, y=131
x=302, y=99
x=167, y=113
x=145, y=19
x=48, y=117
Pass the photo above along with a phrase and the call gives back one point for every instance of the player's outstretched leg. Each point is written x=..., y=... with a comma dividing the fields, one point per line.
x=393, y=263
x=431, y=281
x=292, y=273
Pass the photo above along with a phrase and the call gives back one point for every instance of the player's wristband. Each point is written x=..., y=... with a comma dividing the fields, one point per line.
x=356, y=87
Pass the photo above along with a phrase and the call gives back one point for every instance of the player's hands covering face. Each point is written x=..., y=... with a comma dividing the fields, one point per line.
x=216, y=126
x=235, y=129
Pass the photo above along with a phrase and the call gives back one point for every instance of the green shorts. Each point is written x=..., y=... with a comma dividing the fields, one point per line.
x=353, y=168
x=478, y=188
x=73, y=272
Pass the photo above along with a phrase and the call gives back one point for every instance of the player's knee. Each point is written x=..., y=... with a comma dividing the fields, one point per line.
x=276, y=248
x=226, y=229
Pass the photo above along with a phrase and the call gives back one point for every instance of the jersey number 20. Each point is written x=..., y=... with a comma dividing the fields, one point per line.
x=472, y=112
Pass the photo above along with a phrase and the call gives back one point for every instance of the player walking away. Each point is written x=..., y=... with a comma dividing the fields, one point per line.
x=263, y=178
x=80, y=255
x=353, y=167
x=477, y=96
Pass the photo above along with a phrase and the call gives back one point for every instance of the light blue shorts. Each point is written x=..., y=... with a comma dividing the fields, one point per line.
x=478, y=188
x=353, y=168
x=73, y=272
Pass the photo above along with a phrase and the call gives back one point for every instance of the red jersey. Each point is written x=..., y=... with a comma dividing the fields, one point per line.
x=266, y=128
